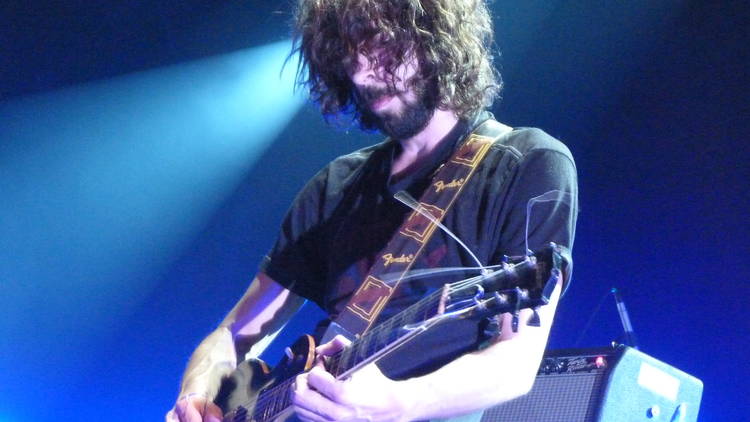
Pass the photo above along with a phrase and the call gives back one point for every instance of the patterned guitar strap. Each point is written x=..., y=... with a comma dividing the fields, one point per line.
x=409, y=241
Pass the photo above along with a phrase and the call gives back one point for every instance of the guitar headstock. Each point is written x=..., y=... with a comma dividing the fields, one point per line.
x=526, y=282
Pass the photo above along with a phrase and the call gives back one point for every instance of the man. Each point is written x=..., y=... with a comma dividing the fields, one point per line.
x=420, y=72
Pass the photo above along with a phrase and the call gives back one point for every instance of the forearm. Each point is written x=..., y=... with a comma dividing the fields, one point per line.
x=251, y=324
x=214, y=358
x=474, y=381
x=501, y=372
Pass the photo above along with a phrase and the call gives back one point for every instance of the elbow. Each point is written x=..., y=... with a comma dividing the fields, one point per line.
x=525, y=385
x=527, y=377
x=518, y=389
x=517, y=386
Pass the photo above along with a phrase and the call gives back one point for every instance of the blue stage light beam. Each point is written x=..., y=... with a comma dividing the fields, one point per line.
x=101, y=186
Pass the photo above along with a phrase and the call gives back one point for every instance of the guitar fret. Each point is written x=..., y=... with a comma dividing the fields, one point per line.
x=282, y=397
x=333, y=365
x=373, y=346
x=274, y=404
x=347, y=357
x=287, y=397
x=364, y=348
x=255, y=415
x=384, y=336
x=265, y=412
x=274, y=400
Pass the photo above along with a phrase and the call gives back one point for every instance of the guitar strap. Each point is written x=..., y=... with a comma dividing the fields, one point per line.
x=410, y=239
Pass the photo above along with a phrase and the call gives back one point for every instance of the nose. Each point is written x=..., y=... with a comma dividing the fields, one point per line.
x=364, y=72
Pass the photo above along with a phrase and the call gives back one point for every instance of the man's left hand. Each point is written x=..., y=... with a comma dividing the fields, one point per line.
x=368, y=395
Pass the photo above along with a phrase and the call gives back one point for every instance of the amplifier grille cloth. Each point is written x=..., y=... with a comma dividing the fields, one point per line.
x=554, y=398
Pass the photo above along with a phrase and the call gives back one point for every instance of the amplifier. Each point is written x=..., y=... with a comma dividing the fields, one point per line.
x=606, y=385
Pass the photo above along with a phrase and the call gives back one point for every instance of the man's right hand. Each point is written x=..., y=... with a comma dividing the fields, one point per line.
x=263, y=310
x=194, y=409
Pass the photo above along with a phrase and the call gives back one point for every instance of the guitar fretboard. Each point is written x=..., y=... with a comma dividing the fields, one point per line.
x=274, y=400
x=382, y=335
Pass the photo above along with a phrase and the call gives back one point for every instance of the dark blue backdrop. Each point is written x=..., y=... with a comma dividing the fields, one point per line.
x=650, y=96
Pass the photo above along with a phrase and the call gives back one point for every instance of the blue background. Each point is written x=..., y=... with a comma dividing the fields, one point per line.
x=149, y=150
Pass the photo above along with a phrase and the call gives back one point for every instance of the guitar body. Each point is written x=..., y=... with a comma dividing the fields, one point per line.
x=238, y=393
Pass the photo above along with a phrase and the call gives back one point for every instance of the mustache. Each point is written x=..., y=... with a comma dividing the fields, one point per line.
x=369, y=95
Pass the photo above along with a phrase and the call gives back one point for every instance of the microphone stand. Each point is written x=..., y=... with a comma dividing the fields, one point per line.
x=628, y=332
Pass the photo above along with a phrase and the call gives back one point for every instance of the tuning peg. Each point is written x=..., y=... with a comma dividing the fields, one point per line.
x=516, y=310
x=492, y=327
x=505, y=262
x=534, y=320
x=478, y=297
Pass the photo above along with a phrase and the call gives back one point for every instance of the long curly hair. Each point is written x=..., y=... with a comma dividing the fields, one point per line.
x=452, y=40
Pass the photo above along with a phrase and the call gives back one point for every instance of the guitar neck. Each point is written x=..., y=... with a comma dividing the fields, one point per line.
x=370, y=346
x=402, y=326
x=385, y=337
x=452, y=299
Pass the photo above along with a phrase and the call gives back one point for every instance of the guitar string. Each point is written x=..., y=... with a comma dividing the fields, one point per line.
x=269, y=395
x=405, y=198
x=389, y=278
x=272, y=395
x=424, y=304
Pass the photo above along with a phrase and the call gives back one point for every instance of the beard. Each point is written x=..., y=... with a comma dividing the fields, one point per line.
x=403, y=124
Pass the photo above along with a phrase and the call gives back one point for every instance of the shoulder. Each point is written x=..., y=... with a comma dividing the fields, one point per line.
x=527, y=142
x=527, y=158
x=330, y=182
x=345, y=166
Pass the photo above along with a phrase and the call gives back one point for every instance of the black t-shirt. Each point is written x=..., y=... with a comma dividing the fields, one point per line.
x=346, y=214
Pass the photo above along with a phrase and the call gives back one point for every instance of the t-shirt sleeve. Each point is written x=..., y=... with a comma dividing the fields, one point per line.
x=295, y=261
x=544, y=190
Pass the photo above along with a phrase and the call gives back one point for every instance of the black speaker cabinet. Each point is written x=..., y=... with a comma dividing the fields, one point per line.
x=605, y=385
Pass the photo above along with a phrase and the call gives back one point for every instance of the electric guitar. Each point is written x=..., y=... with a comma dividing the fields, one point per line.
x=254, y=392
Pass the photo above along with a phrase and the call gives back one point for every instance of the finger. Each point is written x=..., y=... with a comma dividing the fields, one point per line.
x=325, y=383
x=186, y=412
x=171, y=416
x=213, y=415
x=305, y=397
x=334, y=346
x=180, y=411
x=195, y=410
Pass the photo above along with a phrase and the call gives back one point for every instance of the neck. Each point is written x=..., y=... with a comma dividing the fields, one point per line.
x=417, y=147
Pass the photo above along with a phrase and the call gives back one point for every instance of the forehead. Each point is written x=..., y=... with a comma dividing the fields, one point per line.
x=385, y=69
x=383, y=51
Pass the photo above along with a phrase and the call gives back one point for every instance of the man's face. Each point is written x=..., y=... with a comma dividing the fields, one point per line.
x=396, y=103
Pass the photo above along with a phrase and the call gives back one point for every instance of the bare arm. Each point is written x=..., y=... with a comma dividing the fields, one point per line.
x=262, y=311
x=499, y=373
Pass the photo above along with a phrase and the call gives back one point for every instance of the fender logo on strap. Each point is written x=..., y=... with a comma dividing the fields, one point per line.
x=446, y=185
x=389, y=259
x=455, y=183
